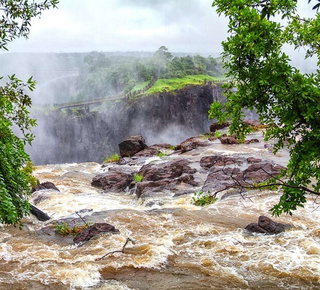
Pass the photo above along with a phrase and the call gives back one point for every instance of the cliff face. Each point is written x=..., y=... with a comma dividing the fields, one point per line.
x=165, y=118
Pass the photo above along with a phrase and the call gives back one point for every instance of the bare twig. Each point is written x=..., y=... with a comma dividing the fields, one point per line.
x=82, y=218
x=268, y=185
x=118, y=251
x=271, y=176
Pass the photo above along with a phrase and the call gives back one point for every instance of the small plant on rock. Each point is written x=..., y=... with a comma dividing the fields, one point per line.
x=201, y=198
x=64, y=229
x=137, y=177
x=217, y=134
x=162, y=154
x=112, y=158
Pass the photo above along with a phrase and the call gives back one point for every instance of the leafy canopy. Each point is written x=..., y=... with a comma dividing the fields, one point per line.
x=287, y=100
x=15, y=17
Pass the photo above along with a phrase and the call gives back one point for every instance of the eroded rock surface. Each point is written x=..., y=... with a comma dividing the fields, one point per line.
x=193, y=143
x=228, y=140
x=45, y=185
x=39, y=214
x=216, y=126
x=112, y=181
x=168, y=175
x=94, y=230
x=132, y=145
x=266, y=225
x=226, y=171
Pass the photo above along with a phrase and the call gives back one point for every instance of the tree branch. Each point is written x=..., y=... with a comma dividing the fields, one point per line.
x=241, y=186
x=82, y=218
x=118, y=251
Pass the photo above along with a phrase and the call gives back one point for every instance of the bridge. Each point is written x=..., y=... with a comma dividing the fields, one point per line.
x=46, y=76
x=86, y=104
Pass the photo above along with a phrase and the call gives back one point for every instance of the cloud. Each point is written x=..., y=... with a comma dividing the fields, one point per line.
x=84, y=25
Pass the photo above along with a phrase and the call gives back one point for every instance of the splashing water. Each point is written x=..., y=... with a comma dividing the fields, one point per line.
x=176, y=244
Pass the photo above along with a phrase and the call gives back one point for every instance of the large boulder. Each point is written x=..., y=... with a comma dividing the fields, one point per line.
x=45, y=185
x=193, y=143
x=39, y=214
x=95, y=229
x=150, y=151
x=216, y=126
x=112, y=181
x=132, y=145
x=220, y=160
x=168, y=170
x=228, y=140
x=261, y=171
x=168, y=175
x=251, y=123
x=266, y=225
x=226, y=171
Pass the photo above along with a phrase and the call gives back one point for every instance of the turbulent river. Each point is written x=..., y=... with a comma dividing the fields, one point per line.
x=176, y=245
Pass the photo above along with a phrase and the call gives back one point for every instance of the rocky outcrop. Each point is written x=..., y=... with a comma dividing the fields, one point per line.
x=115, y=181
x=216, y=126
x=266, y=225
x=192, y=143
x=150, y=151
x=251, y=123
x=220, y=160
x=94, y=230
x=39, y=214
x=251, y=141
x=157, y=177
x=132, y=145
x=229, y=140
x=226, y=171
x=45, y=185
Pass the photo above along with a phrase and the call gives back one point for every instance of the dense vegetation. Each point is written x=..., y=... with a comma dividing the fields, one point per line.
x=286, y=100
x=14, y=105
x=102, y=76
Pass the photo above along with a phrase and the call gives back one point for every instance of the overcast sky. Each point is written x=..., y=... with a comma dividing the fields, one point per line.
x=130, y=25
x=126, y=25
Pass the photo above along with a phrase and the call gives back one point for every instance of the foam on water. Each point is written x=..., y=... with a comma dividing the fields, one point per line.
x=175, y=242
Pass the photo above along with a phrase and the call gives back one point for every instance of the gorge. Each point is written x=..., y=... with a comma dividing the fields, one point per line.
x=163, y=118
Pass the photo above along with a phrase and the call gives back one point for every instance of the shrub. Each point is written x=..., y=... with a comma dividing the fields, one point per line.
x=112, y=158
x=137, y=177
x=27, y=170
x=217, y=134
x=162, y=154
x=201, y=198
x=63, y=229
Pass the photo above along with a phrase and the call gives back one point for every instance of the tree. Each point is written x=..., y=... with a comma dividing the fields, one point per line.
x=14, y=105
x=287, y=100
x=161, y=59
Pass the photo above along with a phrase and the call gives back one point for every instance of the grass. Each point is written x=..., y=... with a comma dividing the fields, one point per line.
x=112, y=158
x=137, y=177
x=173, y=84
x=162, y=154
x=64, y=230
x=201, y=198
x=217, y=134
x=139, y=86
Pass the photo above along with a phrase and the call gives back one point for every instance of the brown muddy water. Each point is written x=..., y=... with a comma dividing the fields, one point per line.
x=176, y=245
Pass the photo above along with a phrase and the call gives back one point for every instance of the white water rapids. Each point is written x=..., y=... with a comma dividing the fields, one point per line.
x=176, y=245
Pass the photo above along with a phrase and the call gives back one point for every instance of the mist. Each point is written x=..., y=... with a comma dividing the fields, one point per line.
x=62, y=39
